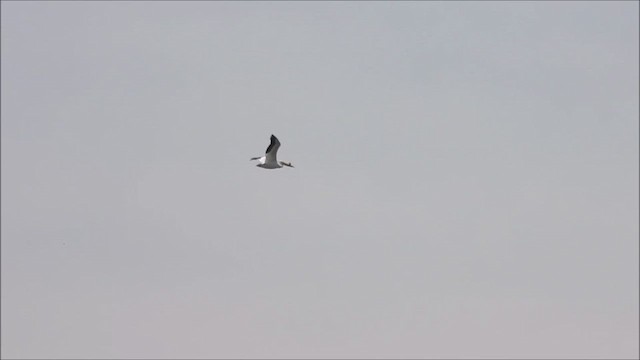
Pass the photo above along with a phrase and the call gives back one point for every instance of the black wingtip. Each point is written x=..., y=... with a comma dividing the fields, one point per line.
x=274, y=140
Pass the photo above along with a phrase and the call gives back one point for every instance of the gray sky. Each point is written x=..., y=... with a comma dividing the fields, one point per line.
x=466, y=180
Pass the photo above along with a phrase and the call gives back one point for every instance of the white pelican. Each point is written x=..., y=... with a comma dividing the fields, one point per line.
x=269, y=161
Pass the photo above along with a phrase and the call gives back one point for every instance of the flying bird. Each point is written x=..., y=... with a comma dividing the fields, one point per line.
x=269, y=161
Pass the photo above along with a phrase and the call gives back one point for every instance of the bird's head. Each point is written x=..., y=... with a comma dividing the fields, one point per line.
x=286, y=164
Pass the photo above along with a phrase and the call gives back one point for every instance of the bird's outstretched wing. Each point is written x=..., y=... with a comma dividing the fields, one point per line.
x=272, y=150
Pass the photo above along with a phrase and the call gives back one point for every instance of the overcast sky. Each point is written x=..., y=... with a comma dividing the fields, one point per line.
x=465, y=181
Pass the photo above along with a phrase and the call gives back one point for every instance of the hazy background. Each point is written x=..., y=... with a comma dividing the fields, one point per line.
x=466, y=180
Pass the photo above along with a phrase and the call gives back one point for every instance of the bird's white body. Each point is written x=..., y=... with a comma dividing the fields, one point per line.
x=268, y=164
x=269, y=160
